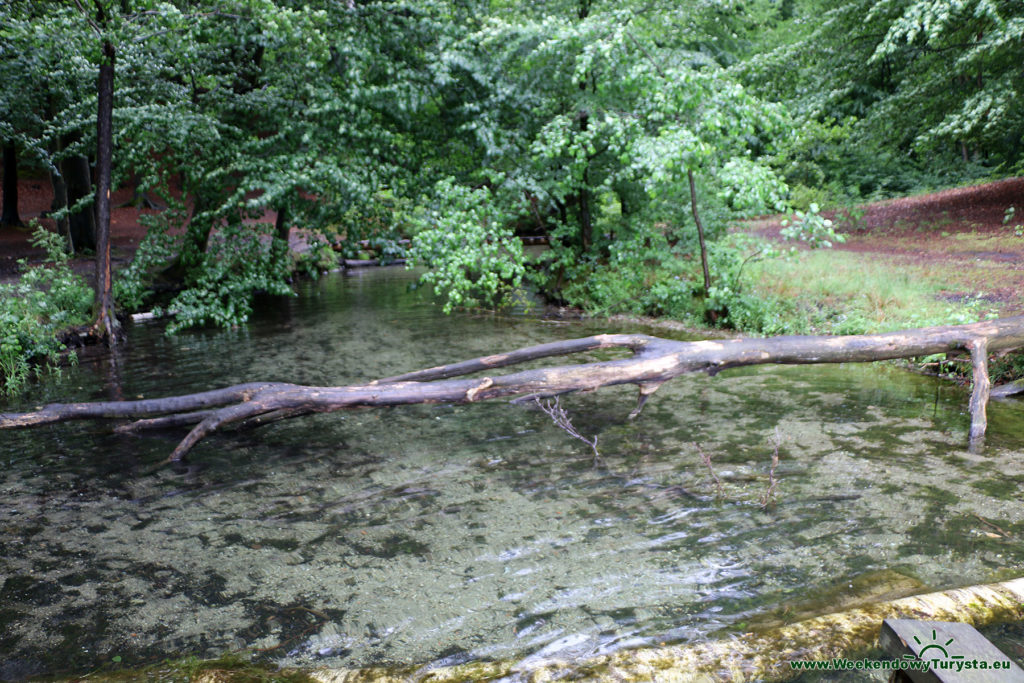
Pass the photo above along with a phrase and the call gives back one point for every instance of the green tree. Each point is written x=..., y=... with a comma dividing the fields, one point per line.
x=592, y=120
x=895, y=94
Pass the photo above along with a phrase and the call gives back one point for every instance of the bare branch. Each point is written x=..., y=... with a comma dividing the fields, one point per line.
x=561, y=419
x=769, y=495
x=706, y=459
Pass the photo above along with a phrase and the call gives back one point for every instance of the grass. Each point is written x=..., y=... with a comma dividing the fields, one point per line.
x=848, y=292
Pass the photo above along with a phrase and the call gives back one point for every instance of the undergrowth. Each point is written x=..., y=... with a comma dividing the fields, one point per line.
x=765, y=289
x=240, y=261
x=47, y=299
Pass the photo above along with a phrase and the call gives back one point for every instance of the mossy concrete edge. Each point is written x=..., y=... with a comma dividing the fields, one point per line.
x=746, y=657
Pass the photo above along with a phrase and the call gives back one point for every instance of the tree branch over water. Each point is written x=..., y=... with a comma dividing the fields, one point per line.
x=654, y=362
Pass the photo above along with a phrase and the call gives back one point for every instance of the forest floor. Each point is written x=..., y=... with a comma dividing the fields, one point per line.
x=957, y=240
x=34, y=197
x=961, y=240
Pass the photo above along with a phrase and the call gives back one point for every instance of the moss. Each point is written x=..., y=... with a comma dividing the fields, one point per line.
x=230, y=668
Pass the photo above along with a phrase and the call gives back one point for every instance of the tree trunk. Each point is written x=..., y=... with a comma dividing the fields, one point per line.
x=78, y=183
x=140, y=198
x=654, y=362
x=282, y=226
x=9, y=213
x=584, y=195
x=763, y=656
x=105, y=326
x=60, y=201
x=60, y=188
x=700, y=232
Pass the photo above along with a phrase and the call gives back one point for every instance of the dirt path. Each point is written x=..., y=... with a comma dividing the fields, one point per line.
x=959, y=231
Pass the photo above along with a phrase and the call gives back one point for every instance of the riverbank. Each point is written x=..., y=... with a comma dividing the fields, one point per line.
x=948, y=257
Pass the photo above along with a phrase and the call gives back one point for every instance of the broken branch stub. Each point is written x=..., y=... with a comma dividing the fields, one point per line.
x=654, y=361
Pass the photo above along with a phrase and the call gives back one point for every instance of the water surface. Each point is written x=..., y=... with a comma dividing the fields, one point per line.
x=443, y=534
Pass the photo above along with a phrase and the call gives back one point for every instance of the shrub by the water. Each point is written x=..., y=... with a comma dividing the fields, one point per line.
x=47, y=299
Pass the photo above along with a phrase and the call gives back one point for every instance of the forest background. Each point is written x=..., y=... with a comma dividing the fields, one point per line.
x=634, y=135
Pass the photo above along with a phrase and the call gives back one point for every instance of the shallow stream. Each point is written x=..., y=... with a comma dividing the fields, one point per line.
x=444, y=534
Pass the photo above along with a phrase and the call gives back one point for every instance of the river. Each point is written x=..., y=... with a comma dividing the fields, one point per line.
x=445, y=534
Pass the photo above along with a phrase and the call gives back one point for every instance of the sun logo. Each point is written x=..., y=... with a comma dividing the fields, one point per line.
x=934, y=645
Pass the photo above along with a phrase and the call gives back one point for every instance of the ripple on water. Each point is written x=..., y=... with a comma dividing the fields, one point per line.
x=453, y=533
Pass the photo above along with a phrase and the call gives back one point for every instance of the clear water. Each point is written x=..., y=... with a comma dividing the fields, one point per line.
x=455, y=533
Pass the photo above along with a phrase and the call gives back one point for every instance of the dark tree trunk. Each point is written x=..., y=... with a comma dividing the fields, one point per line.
x=78, y=184
x=60, y=188
x=584, y=197
x=282, y=226
x=60, y=200
x=586, y=218
x=106, y=323
x=9, y=214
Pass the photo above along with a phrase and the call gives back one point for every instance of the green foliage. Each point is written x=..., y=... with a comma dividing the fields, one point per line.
x=640, y=273
x=239, y=264
x=318, y=259
x=1007, y=367
x=895, y=96
x=47, y=299
x=1008, y=217
x=158, y=249
x=812, y=228
x=730, y=301
x=578, y=119
x=473, y=259
x=751, y=188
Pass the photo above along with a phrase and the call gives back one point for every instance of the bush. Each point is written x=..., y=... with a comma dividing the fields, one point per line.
x=241, y=261
x=244, y=261
x=474, y=259
x=813, y=228
x=47, y=299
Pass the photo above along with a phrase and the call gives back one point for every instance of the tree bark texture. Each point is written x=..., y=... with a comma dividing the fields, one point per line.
x=763, y=656
x=105, y=326
x=654, y=361
x=9, y=212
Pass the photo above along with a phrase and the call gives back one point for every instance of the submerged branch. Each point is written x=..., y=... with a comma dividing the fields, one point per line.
x=654, y=361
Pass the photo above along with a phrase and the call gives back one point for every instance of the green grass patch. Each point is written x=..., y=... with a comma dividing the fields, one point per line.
x=838, y=292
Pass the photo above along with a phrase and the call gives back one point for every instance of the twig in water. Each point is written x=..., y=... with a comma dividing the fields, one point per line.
x=561, y=419
x=706, y=459
x=985, y=521
x=769, y=495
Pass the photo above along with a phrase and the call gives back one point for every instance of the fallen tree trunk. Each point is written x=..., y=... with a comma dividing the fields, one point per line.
x=746, y=657
x=654, y=361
